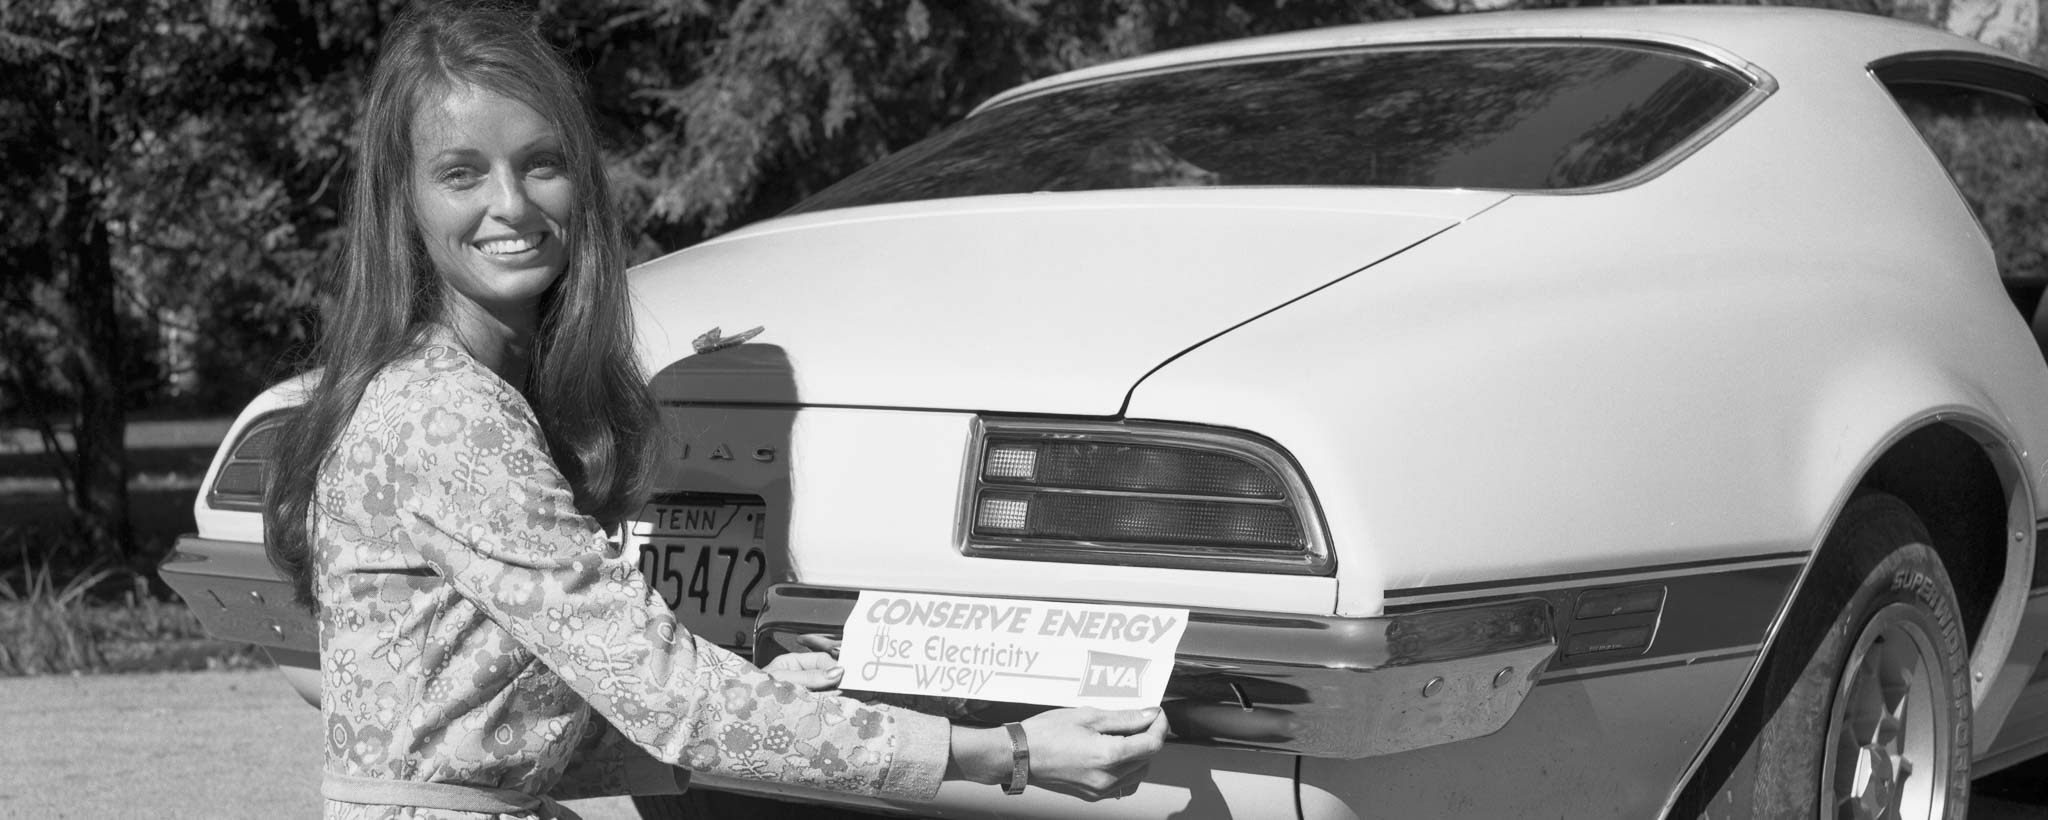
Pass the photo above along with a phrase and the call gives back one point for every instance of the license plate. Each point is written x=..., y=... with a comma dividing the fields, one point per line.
x=710, y=562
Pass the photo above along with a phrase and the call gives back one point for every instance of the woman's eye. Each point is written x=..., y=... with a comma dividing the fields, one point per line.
x=459, y=176
x=545, y=166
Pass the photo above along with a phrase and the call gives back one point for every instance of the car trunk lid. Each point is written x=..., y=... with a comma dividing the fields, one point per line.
x=1025, y=304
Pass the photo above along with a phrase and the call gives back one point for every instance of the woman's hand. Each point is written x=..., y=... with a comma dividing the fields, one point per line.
x=819, y=642
x=816, y=671
x=1085, y=752
x=1091, y=753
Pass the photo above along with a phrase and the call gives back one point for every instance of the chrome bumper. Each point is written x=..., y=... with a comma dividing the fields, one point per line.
x=1317, y=686
x=237, y=595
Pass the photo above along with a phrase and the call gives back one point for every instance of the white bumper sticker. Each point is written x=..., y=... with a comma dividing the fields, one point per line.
x=1045, y=652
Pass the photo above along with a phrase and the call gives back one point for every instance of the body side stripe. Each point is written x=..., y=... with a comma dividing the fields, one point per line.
x=1682, y=615
x=1403, y=599
x=1645, y=665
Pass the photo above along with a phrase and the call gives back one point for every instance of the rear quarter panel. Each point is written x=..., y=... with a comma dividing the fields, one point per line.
x=1693, y=368
x=1697, y=368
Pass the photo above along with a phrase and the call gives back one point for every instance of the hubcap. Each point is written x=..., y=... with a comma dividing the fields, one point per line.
x=1888, y=733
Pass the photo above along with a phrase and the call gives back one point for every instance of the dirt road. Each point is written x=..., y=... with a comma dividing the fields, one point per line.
x=170, y=745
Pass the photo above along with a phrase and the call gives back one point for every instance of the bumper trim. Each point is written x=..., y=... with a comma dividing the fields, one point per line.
x=236, y=594
x=1310, y=685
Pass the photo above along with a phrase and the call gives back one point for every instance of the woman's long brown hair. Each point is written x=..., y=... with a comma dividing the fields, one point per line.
x=586, y=386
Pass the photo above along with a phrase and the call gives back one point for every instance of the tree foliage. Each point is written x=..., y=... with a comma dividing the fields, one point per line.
x=171, y=164
x=1996, y=150
x=790, y=95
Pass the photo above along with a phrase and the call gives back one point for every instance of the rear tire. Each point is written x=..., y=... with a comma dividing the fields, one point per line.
x=1862, y=708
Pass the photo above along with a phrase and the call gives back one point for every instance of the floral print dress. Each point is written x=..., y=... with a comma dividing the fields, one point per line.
x=476, y=630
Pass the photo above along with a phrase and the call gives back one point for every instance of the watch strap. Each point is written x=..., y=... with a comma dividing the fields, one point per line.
x=1020, y=759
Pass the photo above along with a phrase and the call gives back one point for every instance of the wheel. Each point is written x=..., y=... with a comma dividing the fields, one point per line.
x=1861, y=710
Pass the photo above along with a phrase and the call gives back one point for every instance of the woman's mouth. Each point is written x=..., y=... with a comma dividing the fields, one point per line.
x=512, y=245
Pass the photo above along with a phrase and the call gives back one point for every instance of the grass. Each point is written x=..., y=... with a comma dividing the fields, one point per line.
x=64, y=610
x=72, y=627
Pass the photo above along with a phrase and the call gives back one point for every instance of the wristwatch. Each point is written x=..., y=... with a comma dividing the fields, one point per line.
x=1020, y=759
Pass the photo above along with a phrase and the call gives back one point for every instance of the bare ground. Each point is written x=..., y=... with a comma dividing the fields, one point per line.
x=226, y=745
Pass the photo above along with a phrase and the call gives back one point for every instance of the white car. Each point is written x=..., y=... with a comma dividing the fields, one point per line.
x=1605, y=413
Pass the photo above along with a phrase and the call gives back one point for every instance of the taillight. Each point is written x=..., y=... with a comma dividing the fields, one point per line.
x=245, y=474
x=1155, y=495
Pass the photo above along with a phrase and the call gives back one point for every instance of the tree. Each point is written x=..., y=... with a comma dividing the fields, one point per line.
x=779, y=98
x=155, y=164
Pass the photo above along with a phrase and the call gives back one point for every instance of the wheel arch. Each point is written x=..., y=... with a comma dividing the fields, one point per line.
x=1968, y=488
x=1968, y=483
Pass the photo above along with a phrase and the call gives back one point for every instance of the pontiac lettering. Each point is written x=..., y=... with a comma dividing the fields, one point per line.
x=722, y=452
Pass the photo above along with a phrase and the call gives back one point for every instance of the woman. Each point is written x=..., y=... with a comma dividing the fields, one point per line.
x=481, y=422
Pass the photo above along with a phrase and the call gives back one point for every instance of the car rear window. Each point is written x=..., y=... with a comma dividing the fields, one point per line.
x=1522, y=116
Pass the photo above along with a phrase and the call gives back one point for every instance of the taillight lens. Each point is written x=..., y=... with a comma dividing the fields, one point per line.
x=1140, y=494
x=245, y=474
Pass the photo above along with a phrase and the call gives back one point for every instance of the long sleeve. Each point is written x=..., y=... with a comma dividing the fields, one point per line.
x=608, y=764
x=474, y=492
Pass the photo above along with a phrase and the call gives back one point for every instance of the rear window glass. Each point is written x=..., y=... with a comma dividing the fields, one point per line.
x=1995, y=147
x=1524, y=116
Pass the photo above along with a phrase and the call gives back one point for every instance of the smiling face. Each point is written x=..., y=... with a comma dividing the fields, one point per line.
x=493, y=196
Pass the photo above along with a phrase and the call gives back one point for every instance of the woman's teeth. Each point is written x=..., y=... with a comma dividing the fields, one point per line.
x=518, y=244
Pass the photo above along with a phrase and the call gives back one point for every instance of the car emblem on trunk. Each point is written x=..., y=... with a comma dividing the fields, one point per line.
x=721, y=452
x=712, y=342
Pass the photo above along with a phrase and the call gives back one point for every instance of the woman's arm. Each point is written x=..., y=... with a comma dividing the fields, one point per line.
x=477, y=496
x=486, y=507
x=607, y=764
x=1087, y=753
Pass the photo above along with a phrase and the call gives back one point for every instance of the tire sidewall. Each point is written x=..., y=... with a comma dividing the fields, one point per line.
x=1878, y=555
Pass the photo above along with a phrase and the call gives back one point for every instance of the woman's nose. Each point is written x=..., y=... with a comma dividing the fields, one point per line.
x=509, y=202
